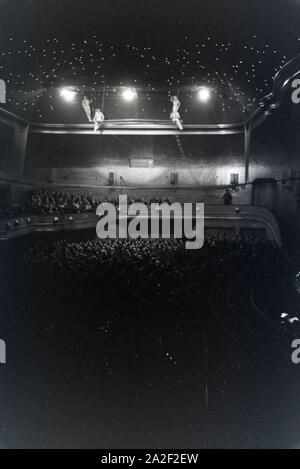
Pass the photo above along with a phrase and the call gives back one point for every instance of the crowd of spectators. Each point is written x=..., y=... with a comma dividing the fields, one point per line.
x=143, y=270
x=39, y=201
x=140, y=321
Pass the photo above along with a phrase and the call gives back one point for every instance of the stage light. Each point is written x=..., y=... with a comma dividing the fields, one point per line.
x=204, y=94
x=129, y=94
x=68, y=94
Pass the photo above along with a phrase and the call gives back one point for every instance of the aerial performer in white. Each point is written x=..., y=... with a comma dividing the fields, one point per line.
x=175, y=116
x=86, y=104
x=98, y=119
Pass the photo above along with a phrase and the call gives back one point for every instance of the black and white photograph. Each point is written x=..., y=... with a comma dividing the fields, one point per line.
x=149, y=228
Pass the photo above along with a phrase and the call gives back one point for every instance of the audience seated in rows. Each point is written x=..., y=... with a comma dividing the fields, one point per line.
x=42, y=202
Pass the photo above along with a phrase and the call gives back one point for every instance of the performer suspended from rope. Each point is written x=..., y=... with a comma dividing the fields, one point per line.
x=86, y=104
x=98, y=119
x=175, y=116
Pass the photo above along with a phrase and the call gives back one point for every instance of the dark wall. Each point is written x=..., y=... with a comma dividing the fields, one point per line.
x=90, y=150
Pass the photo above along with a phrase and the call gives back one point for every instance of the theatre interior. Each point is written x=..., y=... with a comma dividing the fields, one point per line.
x=124, y=343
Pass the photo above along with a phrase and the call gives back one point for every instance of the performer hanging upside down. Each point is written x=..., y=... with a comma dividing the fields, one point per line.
x=175, y=116
x=86, y=104
x=98, y=119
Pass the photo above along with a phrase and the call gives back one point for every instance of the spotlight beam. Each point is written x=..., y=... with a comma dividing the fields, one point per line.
x=129, y=94
x=204, y=94
x=68, y=94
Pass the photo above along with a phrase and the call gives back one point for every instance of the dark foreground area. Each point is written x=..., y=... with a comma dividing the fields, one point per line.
x=132, y=344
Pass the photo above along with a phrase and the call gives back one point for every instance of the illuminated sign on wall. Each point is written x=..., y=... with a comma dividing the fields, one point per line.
x=141, y=163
